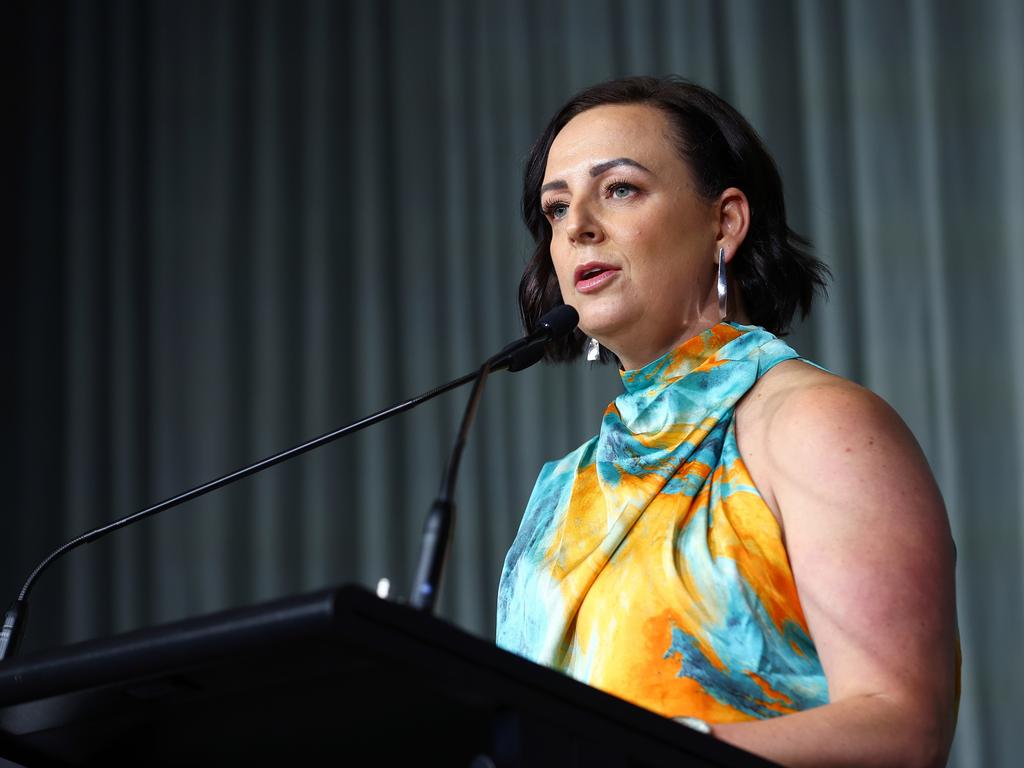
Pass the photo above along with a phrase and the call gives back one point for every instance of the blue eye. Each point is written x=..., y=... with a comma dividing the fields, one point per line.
x=555, y=210
x=621, y=190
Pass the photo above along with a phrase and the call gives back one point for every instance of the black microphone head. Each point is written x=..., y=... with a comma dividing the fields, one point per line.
x=555, y=323
x=524, y=352
x=559, y=321
x=524, y=357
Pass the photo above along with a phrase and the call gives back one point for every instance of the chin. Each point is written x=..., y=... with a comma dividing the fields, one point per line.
x=602, y=325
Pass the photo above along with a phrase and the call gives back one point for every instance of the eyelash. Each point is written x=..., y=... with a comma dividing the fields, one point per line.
x=549, y=208
x=613, y=183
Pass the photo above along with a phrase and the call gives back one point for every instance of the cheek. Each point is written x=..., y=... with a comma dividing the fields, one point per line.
x=563, y=269
x=635, y=229
x=644, y=230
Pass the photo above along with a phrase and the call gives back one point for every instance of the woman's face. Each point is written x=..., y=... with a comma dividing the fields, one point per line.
x=633, y=244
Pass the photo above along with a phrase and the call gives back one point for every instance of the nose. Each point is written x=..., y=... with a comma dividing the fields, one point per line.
x=583, y=228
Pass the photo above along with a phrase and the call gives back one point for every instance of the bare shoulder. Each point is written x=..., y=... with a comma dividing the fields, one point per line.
x=802, y=427
x=793, y=386
x=867, y=538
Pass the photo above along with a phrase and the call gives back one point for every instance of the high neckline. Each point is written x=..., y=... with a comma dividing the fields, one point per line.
x=681, y=360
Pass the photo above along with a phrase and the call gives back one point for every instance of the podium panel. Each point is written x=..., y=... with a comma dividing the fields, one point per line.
x=338, y=677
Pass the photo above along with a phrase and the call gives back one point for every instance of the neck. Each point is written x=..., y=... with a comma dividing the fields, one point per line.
x=634, y=356
x=636, y=348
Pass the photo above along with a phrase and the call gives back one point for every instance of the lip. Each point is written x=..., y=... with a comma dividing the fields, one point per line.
x=591, y=284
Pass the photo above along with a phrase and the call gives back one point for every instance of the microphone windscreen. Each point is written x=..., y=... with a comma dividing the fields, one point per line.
x=559, y=321
x=523, y=353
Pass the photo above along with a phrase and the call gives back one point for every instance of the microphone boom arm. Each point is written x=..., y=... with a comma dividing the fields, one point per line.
x=437, y=531
x=518, y=355
x=14, y=620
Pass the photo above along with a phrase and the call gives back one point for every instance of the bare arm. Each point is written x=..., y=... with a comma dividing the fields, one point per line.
x=871, y=551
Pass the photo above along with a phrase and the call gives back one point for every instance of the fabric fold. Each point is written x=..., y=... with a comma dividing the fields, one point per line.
x=648, y=565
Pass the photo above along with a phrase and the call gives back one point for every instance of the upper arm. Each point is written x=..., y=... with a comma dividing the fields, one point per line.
x=869, y=545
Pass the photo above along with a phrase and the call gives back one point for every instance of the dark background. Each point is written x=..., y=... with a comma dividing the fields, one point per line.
x=240, y=224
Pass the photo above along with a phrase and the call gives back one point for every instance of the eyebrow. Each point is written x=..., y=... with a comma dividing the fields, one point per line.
x=595, y=170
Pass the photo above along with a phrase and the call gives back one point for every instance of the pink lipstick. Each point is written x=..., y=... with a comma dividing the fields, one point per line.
x=593, y=275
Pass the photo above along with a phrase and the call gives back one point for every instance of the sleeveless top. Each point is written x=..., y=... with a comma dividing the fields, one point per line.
x=648, y=565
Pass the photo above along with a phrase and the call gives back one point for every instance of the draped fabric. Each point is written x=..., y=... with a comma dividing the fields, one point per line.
x=240, y=224
x=648, y=564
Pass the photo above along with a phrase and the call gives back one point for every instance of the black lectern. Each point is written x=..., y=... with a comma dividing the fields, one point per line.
x=337, y=677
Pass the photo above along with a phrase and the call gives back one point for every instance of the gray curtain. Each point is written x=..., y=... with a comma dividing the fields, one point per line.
x=241, y=224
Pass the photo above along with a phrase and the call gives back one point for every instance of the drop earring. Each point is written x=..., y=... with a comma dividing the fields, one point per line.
x=723, y=289
x=593, y=350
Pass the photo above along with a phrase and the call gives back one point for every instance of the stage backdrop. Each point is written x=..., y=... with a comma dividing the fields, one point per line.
x=242, y=224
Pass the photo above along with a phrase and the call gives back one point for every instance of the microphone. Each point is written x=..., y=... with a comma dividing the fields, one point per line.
x=516, y=356
x=13, y=626
x=524, y=352
x=437, y=531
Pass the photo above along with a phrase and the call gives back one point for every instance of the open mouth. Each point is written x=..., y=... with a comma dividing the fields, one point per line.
x=591, y=276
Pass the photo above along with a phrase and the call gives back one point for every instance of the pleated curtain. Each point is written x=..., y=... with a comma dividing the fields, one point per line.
x=242, y=224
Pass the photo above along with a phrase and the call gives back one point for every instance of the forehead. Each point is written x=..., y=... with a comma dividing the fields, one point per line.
x=639, y=131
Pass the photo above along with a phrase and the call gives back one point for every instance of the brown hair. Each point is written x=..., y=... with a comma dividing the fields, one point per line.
x=773, y=269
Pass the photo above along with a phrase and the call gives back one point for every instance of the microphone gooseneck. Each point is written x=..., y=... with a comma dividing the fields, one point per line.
x=13, y=627
x=515, y=357
x=437, y=531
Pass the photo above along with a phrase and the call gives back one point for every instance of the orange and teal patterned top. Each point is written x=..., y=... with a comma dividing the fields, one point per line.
x=648, y=565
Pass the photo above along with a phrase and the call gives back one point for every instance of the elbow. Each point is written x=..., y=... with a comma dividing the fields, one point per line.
x=926, y=756
x=933, y=754
x=928, y=738
x=910, y=732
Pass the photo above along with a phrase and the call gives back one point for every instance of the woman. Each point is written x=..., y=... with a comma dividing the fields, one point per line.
x=750, y=541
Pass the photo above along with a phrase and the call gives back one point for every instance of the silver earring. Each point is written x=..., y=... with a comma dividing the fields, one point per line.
x=593, y=350
x=723, y=289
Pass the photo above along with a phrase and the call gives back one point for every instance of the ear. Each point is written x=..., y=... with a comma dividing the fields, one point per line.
x=733, y=221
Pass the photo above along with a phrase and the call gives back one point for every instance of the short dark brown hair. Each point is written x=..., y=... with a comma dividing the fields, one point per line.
x=773, y=268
